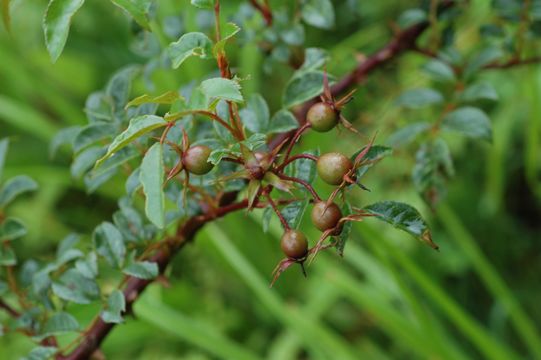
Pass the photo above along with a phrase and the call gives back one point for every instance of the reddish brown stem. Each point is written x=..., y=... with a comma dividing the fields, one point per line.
x=11, y=311
x=264, y=10
x=278, y=213
x=294, y=140
x=308, y=187
x=296, y=157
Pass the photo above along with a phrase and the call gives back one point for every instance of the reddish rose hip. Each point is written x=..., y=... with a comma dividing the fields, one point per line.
x=325, y=217
x=332, y=167
x=294, y=244
x=322, y=116
x=195, y=160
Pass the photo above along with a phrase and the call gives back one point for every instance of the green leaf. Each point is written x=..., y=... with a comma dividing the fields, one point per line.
x=469, y=121
x=41, y=353
x=419, y=98
x=302, y=87
x=60, y=323
x=346, y=230
x=479, y=91
x=92, y=134
x=12, y=229
x=220, y=88
x=483, y=58
x=203, y=4
x=314, y=59
x=282, y=121
x=88, y=267
x=374, y=155
x=304, y=169
x=439, y=71
x=138, y=9
x=168, y=98
x=109, y=244
x=191, y=44
x=6, y=15
x=115, y=161
x=294, y=212
x=63, y=137
x=228, y=31
x=7, y=257
x=255, y=116
x=407, y=134
x=15, y=187
x=403, y=217
x=152, y=178
x=118, y=90
x=142, y=269
x=74, y=287
x=433, y=165
x=318, y=13
x=56, y=24
x=85, y=160
x=116, y=305
x=4, y=144
x=138, y=126
x=411, y=17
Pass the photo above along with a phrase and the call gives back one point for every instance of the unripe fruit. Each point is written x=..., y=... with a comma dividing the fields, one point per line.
x=294, y=244
x=322, y=117
x=325, y=217
x=195, y=159
x=332, y=167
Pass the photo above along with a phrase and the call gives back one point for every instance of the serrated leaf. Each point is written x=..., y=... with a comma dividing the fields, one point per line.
x=479, y=91
x=318, y=13
x=4, y=145
x=169, y=97
x=294, y=212
x=190, y=44
x=15, y=187
x=404, y=217
x=85, y=160
x=60, y=323
x=41, y=353
x=223, y=89
x=152, y=178
x=138, y=9
x=314, y=59
x=92, y=134
x=109, y=244
x=469, y=121
x=419, y=98
x=138, y=126
x=282, y=121
x=407, y=134
x=142, y=269
x=116, y=305
x=228, y=31
x=118, y=90
x=302, y=87
x=374, y=154
x=203, y=4
x=255, y=116
x=439, y=71
x=12, y=229
x=74, y=287
x=56, y=24
x=116, y=161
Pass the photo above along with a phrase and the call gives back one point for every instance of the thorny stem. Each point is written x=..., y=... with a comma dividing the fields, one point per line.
x=186, y=231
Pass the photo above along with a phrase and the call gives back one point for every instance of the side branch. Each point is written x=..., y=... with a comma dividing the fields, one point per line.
x=98, y=330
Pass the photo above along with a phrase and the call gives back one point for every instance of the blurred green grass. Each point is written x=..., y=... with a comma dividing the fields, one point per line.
x=389, y=298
